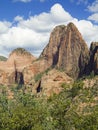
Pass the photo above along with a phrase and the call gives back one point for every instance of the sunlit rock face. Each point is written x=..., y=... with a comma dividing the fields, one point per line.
x=67, y=50
x=11, y=70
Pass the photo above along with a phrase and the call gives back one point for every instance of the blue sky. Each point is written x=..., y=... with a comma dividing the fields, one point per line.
x=28, y=23
x=11, y=8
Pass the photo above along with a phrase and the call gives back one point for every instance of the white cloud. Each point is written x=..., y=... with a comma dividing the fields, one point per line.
x=58, y=14
x=93, y=17
x=18, y=18
x=4, y=26
x=25, y=1
x=46, y=21
x=33, y=33
x=93, y=9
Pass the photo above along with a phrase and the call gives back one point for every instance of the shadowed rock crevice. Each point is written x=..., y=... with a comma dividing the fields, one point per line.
x=19, y=78
x=93, y=64
x=84, y=69
x=39, y=88
x=55, y=57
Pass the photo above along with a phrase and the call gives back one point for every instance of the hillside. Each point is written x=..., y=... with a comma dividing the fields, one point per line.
x=76, y=107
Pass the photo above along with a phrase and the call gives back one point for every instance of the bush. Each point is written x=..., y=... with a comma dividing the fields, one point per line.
x=58, y=112
x=77, y=86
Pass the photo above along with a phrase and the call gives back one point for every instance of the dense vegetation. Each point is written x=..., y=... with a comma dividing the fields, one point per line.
x=75, y=108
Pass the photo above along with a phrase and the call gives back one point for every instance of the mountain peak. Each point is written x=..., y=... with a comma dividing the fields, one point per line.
x=20, y=51
x=59, y=27
x=67, y=50
x=71, y=25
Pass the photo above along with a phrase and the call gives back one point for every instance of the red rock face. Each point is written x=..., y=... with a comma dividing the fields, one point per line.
x=67, y=50
x=38, y=66
x=51, y=51
x=15, y=64
x=52, y=81
x=19, y=61
x=48, y=57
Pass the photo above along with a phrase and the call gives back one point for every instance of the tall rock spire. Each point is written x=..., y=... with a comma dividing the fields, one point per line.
x=67, y=50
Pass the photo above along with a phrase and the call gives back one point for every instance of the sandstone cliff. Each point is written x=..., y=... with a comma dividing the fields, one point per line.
x=67, y=50
x=66, y=56
x=11, y=70
x=52, y=82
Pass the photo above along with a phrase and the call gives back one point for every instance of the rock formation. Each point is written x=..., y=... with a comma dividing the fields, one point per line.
x=67, y=50
x=52, y=82
x=37, y=67
x=66, y=57
x=19, y=58
x=11, y=70
x=94, y=57
x=49, y=82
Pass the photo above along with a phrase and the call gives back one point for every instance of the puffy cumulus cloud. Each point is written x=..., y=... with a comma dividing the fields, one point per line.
x=33, y=33
x=4, y=26
x=18, y=18
x=22, y=37
x=93, y=17
x=58, y=14
x=45, y=21
x=18, y=36
x=93, y=9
